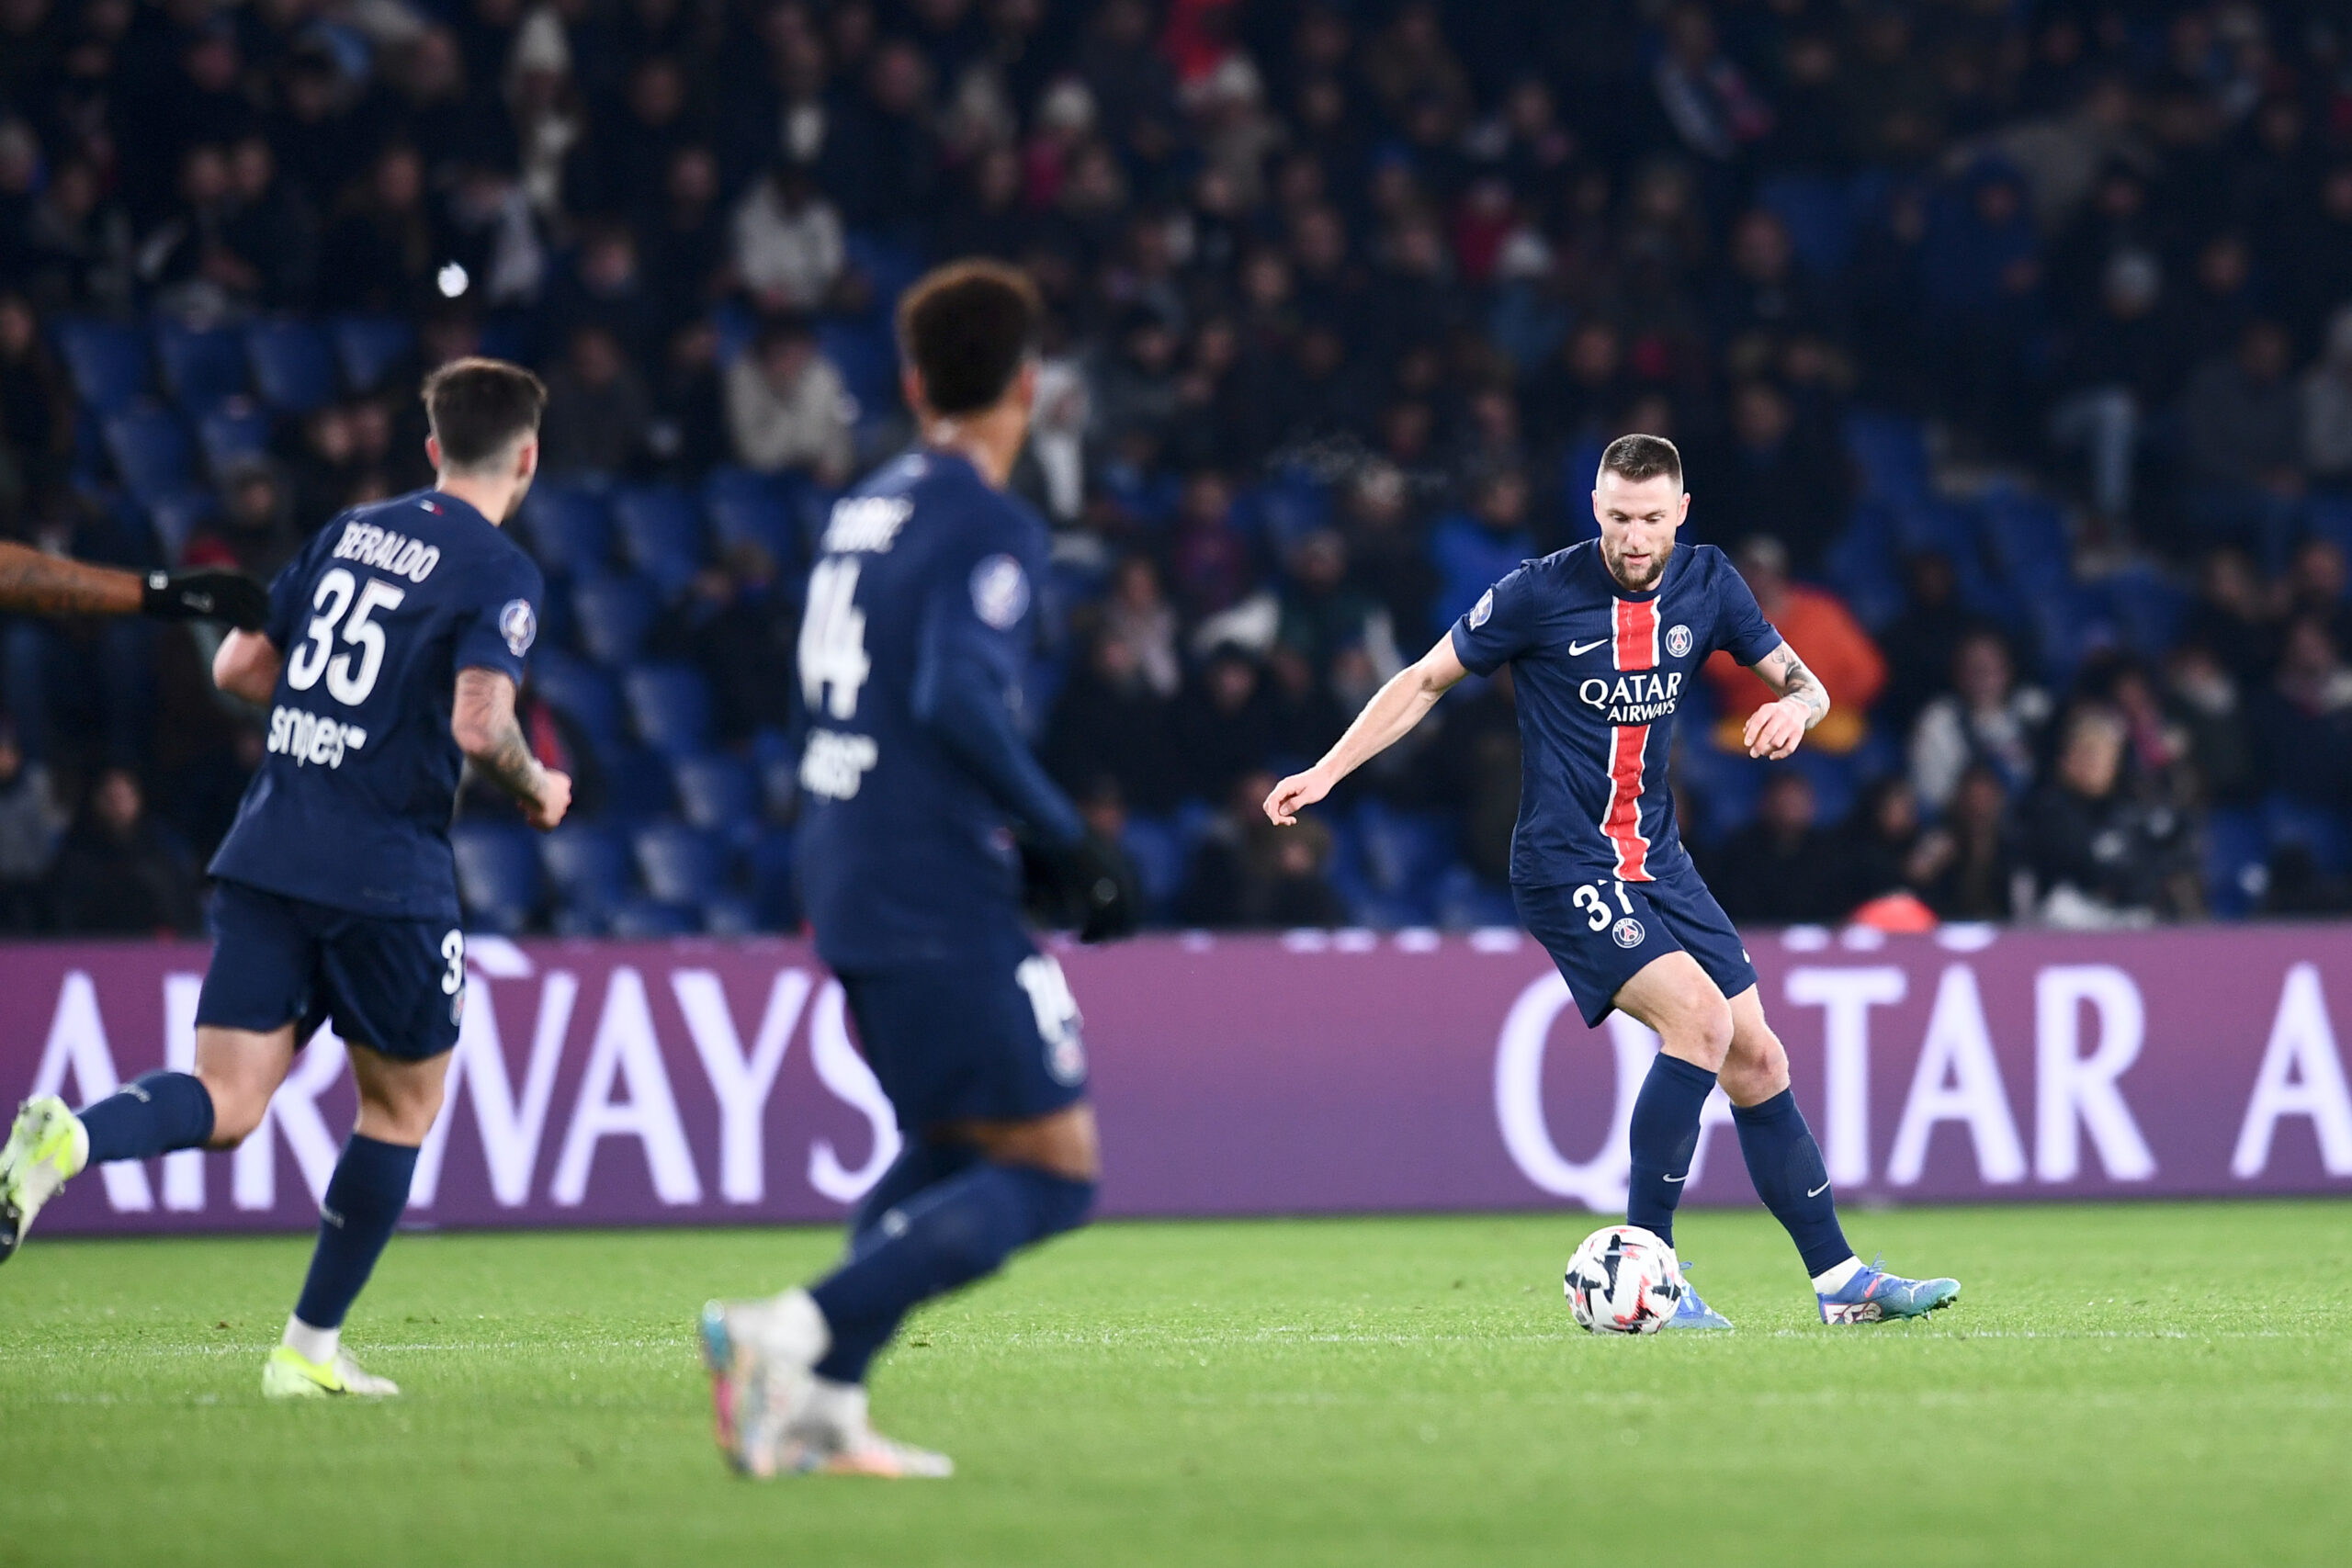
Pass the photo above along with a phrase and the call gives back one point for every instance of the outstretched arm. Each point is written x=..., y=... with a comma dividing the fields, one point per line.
x=1774, y=729
x=35, y=583
x=1391, y=715
x=482, y=722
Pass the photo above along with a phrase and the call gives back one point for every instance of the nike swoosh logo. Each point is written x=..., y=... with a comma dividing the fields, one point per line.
x=1818, y=1191
x=1576, y=649
x=1684, y=1176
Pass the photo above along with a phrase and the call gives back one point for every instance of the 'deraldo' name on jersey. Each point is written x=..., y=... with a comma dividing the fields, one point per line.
x=373, y=620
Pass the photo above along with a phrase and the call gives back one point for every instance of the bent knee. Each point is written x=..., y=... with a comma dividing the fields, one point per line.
x=235, y=1117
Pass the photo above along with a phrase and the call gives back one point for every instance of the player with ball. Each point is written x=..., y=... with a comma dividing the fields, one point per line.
x=1603, y=639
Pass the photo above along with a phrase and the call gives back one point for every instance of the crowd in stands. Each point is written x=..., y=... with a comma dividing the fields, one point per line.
x=2008, y=343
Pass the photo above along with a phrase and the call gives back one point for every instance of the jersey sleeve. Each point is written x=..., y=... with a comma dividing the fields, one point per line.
x=1741, y=629
x=1499, y=626
x=501, y=618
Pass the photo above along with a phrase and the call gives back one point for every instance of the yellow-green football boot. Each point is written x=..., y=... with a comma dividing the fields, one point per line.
x=46, y=1148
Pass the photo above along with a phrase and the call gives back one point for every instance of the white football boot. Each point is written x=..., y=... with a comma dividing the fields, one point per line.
x=760, y=1353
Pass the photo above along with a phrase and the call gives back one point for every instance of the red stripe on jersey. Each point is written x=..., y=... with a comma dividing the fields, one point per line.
x=1622, y=822
x=1636, y=628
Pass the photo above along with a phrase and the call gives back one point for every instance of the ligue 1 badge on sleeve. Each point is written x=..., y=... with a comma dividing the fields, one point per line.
x=518, y=626
x=1482, y=610
x=1000, y=591
x=1678, y=642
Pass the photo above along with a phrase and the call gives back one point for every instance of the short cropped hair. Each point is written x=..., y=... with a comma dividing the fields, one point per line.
x=1637, y=457
x=966, y=327
x=479, y=407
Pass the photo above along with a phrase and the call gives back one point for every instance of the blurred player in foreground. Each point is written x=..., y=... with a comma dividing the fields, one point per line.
x=35, y=583
x=392, y=648
x=1603, y=639
x=920, y=618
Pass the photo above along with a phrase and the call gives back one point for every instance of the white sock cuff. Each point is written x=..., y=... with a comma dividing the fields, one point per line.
x=802, y=1323
x=1835, y=1278
x=314, y=1345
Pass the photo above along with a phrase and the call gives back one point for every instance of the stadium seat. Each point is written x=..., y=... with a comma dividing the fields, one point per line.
x=202, y=366
x=775, y=899
x=498, y=874
x=1403, y=851
x=588, y=866
x=1818, y=214
x=232, y=432
x=569, y=529
x=1159, y=851
x=582, y=692
x=2147, y=608
x=2236, y=862
x=1891, y=449
x=730, y=916
x=366, y=347
x=2287, y=820
x=661, y=535
x=669, y=705
x=868, y=363
x=173, y=517
x=637, y=785
x=1464, y=903
x=292, y=368
x=106, y=363
x=613, y=613
x=717, y=793
x=644, y=919
x=150, y=450
x=681, y=864
x=1836, y=782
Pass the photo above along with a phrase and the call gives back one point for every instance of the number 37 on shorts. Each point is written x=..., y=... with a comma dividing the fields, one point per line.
x=1594, y=901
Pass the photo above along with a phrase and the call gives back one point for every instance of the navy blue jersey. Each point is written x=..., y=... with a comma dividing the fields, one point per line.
x=924, y=587
x=1598, y=674
x=375, y=618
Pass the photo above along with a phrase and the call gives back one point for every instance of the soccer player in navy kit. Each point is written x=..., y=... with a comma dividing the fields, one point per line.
x=392, y=652
x=921, y=614
x=1604, y=639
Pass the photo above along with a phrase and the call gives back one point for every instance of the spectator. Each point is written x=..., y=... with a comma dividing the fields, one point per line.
x=2204, y=700
x=2233, y=616
x=36, y=412
x=2099, y=857
x=1324, y=613
x=1247, y=871
x=31, y=821
x=786, y=405
x=1224, y=724
x=2110, y=369
x=1825, y=633
x=1471, y=550
x=1776, y=477
x=1781, y=868
x=1971, y=864
x=121, y=872
x=1987, y=718
x=255, y=531
x=598, y=413
x=1933, y=621
x=2242, y=433
x=1880, y=848
x=736, y=623
x=1137, y=614
x=378, y=255
x=788, y=241
x=2304, y=719
x=2327, y=405
x=1110, y=723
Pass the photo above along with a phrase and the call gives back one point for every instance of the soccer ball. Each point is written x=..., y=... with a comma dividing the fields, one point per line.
x=1624, y=1280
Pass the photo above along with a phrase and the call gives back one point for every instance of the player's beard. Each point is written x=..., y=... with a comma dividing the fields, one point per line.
x=1616, y=564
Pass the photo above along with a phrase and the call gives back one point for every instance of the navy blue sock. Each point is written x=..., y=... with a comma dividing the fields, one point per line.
x=955, y=1232
x=153, y=1114
x=363, y=1201
x=1785, y=1164
x=1665, y=1136
x=918, y=1167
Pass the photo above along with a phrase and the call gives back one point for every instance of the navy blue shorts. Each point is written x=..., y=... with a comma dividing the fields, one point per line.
x=1602, y=932
x=397, y=986
x=988, y=1036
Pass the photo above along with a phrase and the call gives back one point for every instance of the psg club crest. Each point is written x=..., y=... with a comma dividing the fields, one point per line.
x=1677, y=641
x=1628, y=931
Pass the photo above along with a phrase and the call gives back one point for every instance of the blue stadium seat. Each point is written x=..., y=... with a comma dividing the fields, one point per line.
x=369, y=346
x=498, y=874
x=1819, y=216
x=669, y=704
x=1403, y=851
x=1159, y=851
x=716, y=792
x=587, y=867
x=775, y=898
x=582, y=692
x=173, y=517
x=2147, y=608
x=150, y=449
x=569, y=529
x=2286, y=820
x=2236, y=862
x=1836, y=781
x=107, y=362
x=232, y=430
x=681, y=864
x=643, y=920
x=728, y=915
x=1464, y=903
x=1892, y=451
x=661, y=534
x=292, y=367
x=613, y=613
x=202, y=366
x=2028, y=536
x=637, y=786
x=867, y=361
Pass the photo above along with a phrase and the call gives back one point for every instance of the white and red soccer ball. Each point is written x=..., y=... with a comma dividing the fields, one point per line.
x=1624, y=1280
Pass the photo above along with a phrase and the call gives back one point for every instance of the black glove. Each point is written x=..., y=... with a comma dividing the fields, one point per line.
x=1086, y=884
x=230, y=596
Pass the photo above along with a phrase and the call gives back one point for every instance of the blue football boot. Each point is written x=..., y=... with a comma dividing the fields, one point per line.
x=1689, y=1311
x=1873, y=1295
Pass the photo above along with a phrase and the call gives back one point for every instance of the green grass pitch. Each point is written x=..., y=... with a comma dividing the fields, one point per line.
x=2131, y=1384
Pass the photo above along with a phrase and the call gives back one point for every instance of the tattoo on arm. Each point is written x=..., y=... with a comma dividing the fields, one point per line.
x=38, y=584
x=1786, y=674
x=493, y=740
